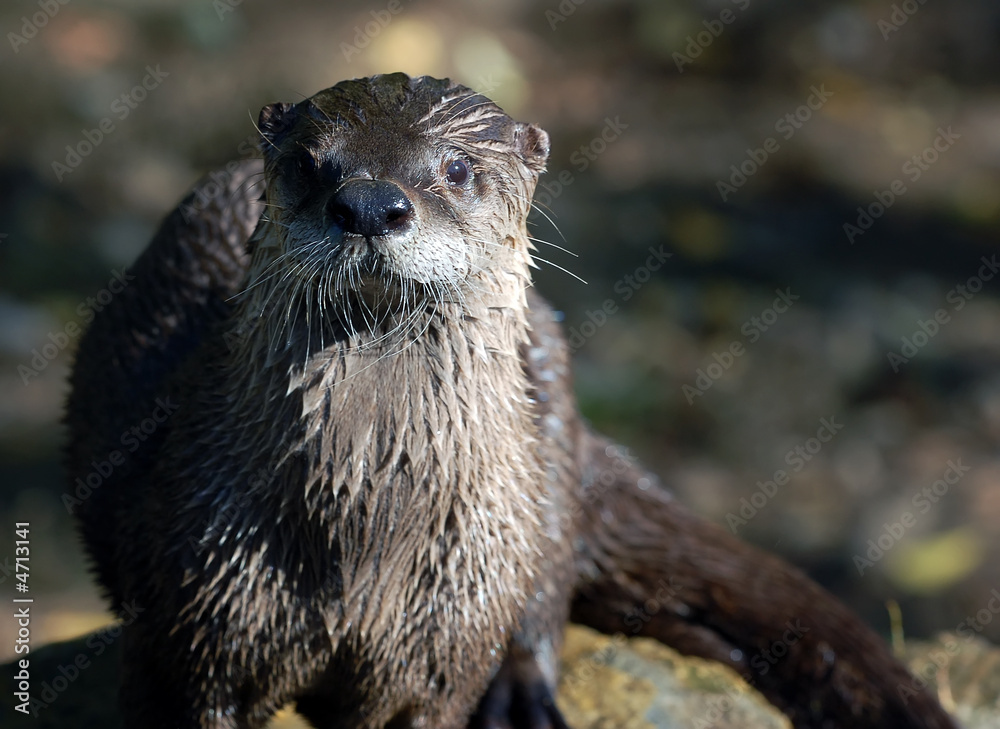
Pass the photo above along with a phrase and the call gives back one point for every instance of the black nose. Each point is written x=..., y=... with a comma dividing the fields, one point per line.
x=369, y=207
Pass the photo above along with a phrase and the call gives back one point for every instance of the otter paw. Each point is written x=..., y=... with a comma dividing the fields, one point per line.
x=518, y=698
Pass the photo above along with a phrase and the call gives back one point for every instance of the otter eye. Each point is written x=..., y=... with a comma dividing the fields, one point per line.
x=305, y=163
x=457, y=172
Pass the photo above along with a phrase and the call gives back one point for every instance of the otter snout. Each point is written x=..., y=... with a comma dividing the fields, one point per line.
x=369, y=208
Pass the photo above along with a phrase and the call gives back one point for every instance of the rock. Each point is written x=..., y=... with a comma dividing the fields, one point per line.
x=616, y=682
x=606, y=683
x=966, y=671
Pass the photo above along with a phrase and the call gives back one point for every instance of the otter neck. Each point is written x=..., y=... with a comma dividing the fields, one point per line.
x=432, y=445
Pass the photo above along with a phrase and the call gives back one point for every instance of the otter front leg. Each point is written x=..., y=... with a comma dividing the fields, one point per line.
x=152, y=697
x=521, y=695
x=649, y=567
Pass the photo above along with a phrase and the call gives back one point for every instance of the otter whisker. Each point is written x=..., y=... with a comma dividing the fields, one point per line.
x=259, y=132
x=535, y=205
x=445, y=106
x=291, y=271
x=261, y=278
x=534, y=258
x=554, y=245
x=559, y=268
x=405, y=323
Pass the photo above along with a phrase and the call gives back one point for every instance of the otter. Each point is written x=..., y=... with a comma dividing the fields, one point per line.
x=374, y=495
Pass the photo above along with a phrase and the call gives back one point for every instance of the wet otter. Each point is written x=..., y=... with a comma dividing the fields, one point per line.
x=376, y=497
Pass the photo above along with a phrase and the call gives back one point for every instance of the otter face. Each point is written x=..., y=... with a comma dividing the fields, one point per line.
x=390, y=183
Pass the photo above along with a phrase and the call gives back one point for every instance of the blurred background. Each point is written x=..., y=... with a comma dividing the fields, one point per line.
x=786, y=214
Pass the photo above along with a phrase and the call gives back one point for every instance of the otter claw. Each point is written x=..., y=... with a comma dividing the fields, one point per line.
x=518, y=698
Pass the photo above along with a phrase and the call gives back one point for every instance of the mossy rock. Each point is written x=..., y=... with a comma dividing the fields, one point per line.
x=606, y=683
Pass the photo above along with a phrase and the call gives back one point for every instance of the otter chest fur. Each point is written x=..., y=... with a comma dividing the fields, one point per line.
x=376, y=497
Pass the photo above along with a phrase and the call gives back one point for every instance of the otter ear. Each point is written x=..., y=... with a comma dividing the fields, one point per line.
x=533, y=144
x=274, y=121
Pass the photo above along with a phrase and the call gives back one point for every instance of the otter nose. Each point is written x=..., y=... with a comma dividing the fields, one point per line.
x=369, y=207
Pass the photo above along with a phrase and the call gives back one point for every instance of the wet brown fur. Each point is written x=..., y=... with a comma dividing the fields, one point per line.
x=376, y=488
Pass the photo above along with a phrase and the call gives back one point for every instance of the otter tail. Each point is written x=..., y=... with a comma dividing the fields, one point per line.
x=650, y=567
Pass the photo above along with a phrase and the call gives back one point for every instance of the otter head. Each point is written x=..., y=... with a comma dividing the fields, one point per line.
x=392, y=184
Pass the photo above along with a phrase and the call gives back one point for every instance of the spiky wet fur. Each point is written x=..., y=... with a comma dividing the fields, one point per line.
x=376, y=484
x=352, y=482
